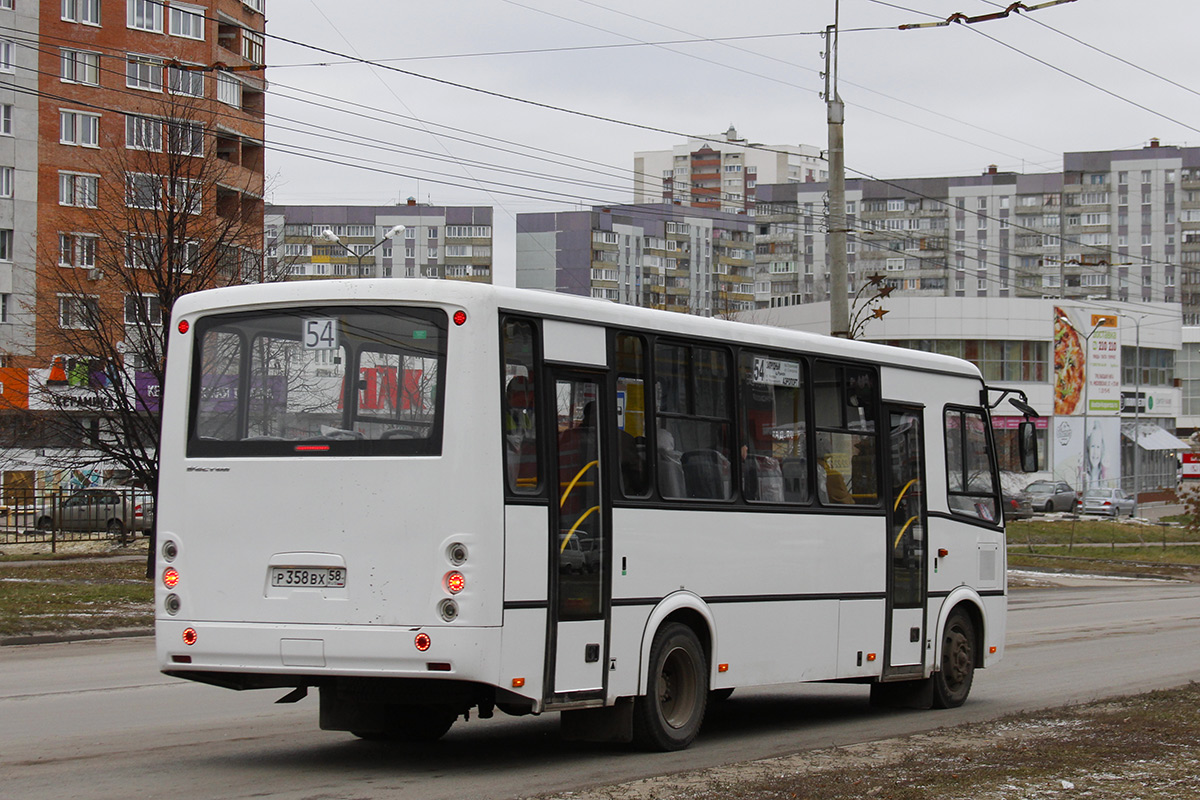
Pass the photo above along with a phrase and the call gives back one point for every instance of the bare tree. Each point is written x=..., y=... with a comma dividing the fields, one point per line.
x=175, y=207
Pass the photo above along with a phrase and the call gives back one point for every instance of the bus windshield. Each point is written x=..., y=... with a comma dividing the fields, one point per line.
x=337, y=380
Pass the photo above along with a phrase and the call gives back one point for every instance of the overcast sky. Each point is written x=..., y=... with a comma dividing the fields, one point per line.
x=1015, y=92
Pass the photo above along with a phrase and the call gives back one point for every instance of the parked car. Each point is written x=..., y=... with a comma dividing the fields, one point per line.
x=1111, y=502
x=1017, y=506
x=116, y=509
x=1051, y=496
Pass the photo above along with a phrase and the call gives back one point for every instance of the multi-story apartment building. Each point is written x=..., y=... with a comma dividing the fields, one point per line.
x=112, y=110
x=690, y=260
x=452, y=242
x=1120, y=225
x=721, y=171
x=79, y=78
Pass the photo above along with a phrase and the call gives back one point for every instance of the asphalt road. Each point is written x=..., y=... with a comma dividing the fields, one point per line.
x=95, y=720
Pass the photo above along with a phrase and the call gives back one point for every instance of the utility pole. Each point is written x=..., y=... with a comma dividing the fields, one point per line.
x=839, y=305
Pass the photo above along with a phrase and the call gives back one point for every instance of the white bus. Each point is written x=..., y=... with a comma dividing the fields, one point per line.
x=425, y=497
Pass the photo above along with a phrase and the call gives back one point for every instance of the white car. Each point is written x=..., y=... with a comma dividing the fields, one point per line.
x=1110, y=502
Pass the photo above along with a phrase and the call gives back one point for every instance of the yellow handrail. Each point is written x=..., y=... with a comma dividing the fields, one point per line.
x=896, y=543
x=575, y=480
x=575, y=527
x=900, y=496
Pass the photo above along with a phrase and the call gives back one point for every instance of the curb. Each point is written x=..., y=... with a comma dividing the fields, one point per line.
x=74, y=636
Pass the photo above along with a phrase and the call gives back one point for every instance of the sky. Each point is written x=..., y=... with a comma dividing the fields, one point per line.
x=539, y=105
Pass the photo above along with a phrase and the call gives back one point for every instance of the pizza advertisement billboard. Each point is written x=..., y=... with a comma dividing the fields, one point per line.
x=1087, y=362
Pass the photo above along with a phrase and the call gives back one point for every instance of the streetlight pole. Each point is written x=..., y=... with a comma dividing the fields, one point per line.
x=1137, y=404
x=331, y=237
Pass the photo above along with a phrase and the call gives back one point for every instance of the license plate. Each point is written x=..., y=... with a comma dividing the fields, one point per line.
x=308, y=577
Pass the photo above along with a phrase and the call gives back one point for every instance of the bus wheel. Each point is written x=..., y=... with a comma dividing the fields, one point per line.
x=669, y=716
x=952, y=683
x=412, y=724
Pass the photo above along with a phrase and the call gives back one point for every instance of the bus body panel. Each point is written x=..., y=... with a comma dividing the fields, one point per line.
x=526, y=553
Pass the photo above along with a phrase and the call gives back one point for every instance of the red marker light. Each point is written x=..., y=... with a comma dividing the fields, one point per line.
x=183, y=326
x=189, y=636
x=170, y=577
x=460, y=317
x=455, y=582
x=423, y=642
x=311, y=448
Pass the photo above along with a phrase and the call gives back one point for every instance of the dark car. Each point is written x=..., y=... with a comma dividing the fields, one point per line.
x=1051, y=496
x=1017, y=506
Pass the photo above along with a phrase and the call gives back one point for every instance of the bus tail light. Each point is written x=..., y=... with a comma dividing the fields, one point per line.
x=423, y=642
x=456, y=554
x=448, y=609
x=460, y=317
x=170, y=577
x=189, y=636
x=172, y=604
x=454, y=582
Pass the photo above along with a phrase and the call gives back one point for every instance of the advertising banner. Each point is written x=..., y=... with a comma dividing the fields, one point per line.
x=1088, y=458
x=1087, y=362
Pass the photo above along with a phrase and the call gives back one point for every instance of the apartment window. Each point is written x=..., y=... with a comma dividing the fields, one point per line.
x=4, y=317
x=6, y=115
x=78, y=312
x=186, y=195
x=229, y=89
x=1145, y=176
x=186, y=21
x=76, y=189
x=895, y=205
x=77, y=250
x=185, y=138
x=894, y=265
x=181, y=80
x=143, y=72
x=256, y=5
x=143, y=133
x=79, y=129
x=7, y=54
x=145, y=15
x=143, y=190
x=6, y=181
x=6, y=244
x=143, y=308
x=80, y=66
x=1122, y=178
x=85, y=11
x=252, y=46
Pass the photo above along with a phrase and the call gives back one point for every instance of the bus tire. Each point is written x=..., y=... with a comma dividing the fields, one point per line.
x=669, y=716
x=412, y=724
x=952, y=683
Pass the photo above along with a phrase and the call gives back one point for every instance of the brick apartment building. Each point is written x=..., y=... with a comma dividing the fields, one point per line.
x=100, y=101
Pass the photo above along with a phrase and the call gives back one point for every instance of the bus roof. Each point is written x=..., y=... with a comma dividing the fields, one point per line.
x=561, y=306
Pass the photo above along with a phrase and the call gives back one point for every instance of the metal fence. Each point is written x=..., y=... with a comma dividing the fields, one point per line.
x=121, y=513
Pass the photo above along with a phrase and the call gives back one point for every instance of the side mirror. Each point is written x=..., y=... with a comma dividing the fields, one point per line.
x=1027, y=447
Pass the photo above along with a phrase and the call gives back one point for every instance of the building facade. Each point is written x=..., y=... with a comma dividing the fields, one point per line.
x=110, y=112
x=1117, y=225
x=721, y=171
x=452, y=242
x=689, y=260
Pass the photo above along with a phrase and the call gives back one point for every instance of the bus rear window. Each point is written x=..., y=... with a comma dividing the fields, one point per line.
x=330, y=380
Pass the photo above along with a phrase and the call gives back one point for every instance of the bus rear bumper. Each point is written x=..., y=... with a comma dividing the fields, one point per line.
x=297, y=654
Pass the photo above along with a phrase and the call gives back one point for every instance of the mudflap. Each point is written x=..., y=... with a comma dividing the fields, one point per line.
x=610, y=724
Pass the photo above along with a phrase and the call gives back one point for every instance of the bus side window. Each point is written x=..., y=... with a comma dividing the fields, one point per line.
x=693, y=421
x=846, y=404
x=773, y=434
x=634, y=458
x=971, y=481
x=520, y=407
